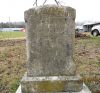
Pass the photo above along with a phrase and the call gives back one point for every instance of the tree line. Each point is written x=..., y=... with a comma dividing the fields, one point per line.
x=12, y=25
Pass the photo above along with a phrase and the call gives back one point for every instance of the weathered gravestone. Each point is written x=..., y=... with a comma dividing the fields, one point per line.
x=50, y=41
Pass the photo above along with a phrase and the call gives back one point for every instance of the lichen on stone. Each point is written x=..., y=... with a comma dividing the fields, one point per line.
x=52, y=10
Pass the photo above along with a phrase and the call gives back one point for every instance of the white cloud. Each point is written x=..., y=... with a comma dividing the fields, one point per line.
x=86, y=9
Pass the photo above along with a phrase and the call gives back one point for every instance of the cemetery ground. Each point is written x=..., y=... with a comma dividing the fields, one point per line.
x=13, y=62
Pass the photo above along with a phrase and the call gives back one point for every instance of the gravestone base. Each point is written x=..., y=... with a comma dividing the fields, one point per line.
x=52, y=84
x=84, y=90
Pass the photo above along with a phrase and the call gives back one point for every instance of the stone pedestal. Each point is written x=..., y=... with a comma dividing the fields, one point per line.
x=50, y=41
x=51, y=84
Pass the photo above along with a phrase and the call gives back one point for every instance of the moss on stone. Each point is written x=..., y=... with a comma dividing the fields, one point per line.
x=50, y=86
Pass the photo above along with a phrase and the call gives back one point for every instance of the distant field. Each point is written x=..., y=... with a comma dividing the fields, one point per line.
x=8, y=35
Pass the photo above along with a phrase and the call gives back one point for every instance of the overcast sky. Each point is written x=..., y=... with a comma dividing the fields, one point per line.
x=86, y=10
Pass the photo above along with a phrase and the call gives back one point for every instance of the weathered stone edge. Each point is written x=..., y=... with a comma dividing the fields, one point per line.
x=52, y=78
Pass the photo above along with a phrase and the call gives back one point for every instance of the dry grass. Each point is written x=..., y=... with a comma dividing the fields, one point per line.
x=87, y=59
x=12, y=64
x=13, y=60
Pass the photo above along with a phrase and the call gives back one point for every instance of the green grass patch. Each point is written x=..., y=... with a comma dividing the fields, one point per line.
x=8, y=35
x=14, y=85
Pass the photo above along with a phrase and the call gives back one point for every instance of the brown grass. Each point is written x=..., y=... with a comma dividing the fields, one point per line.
x=13, y=63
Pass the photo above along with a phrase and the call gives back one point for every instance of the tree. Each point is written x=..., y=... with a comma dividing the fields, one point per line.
x=57, y=2
x=35, y=3
x=12, y=25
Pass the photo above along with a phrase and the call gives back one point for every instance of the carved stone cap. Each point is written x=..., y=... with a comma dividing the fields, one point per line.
x=59, y=11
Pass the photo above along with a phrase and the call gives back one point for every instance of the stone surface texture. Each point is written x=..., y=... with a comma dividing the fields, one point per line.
x=84, y=90
x=51, y=84
x=50, y=41
x=50, y=36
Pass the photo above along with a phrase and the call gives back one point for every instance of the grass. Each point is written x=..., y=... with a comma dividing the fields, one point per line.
x=8, y=35
x=86, y=56
x=87, y=59
x=12, y=64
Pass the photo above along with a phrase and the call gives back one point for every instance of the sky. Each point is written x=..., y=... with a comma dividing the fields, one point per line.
x=13, y=10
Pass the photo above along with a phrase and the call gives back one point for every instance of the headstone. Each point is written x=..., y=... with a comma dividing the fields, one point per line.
x=50, y=36
x=50, y=41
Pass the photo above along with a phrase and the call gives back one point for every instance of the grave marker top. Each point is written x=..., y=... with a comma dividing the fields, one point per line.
x=50, y=36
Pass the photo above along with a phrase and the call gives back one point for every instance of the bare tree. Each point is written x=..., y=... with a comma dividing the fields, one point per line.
x=35, y=3
x=57, y=2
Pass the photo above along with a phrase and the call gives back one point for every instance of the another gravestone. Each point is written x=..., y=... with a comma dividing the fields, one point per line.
x=50, y=41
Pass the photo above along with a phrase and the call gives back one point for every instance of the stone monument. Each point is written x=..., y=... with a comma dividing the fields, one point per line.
x=50, y=32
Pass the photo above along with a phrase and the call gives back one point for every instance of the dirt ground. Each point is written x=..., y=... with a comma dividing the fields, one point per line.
x=13, y=63
x=12, y=42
